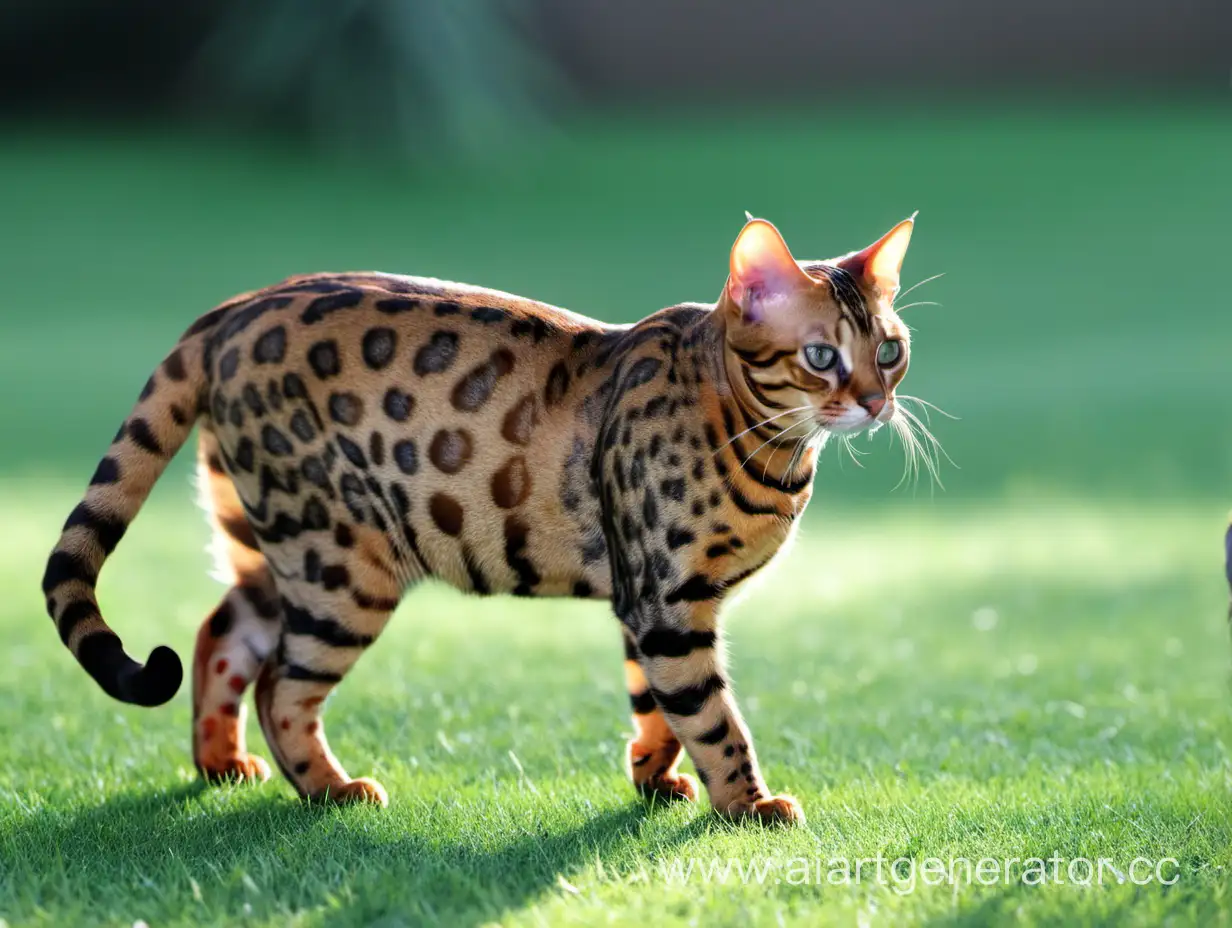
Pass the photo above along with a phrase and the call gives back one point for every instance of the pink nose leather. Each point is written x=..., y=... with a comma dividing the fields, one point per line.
x=874, y=404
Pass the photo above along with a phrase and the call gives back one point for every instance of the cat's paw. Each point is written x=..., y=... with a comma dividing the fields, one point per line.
x=238, y=768
x=669, y=787
x=363, y=789
x=777, y=810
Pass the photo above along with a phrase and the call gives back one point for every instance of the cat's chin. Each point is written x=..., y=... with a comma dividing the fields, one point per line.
x=850, y=427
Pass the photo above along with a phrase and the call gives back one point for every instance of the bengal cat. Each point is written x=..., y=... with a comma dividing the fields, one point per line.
x=362, y=431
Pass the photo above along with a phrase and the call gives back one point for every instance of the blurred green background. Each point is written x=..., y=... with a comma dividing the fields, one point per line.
x=156, y=161
x=1045, y=632
x=1082, y=337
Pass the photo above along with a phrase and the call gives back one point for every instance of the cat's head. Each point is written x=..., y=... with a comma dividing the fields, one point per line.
x=821, y=338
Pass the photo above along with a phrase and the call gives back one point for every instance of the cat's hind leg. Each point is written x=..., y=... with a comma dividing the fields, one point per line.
x=236, y=637
x=232, y=645
x=331, y=616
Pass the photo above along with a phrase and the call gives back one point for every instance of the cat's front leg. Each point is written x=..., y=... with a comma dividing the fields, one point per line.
x=680, y=656
x=654, y=751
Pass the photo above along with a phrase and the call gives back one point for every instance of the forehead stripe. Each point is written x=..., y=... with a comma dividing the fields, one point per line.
x=850, y=299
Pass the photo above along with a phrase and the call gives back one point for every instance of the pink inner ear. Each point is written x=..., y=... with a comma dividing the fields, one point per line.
x=879, y=263
x=857, y=264
x=762, y=269
x=750, y=293
x=737, y=292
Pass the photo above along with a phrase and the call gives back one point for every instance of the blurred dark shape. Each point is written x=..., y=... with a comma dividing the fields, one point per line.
x=785, y=52
x=1227, y=545
x=429, y=78
x=443, y=77
x=434, y=74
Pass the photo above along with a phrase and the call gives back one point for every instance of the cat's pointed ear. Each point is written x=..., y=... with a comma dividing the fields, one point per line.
x=762, y=270
x=879, y=264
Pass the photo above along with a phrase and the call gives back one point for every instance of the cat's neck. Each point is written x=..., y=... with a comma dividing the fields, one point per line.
x=771, y=445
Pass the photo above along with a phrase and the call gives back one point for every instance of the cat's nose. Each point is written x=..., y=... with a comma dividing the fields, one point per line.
x=873, y=402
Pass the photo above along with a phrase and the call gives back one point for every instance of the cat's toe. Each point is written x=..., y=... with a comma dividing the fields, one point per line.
x=777, y=810
x=675, y=786
x=360, y=790
x=238, y=768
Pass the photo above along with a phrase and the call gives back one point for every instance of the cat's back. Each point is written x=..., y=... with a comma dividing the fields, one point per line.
x=366, y=342
x=457, y=410
x=333, y=304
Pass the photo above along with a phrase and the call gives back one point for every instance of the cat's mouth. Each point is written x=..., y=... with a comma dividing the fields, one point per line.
x=849, y=420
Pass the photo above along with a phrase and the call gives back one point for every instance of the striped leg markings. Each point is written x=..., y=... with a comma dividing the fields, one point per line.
x=654, y=752
x=684, y=669
x=232, y=646
x=324, y=633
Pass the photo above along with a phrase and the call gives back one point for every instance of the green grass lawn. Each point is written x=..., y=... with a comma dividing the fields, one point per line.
x=1032, y=663
x=977, y=684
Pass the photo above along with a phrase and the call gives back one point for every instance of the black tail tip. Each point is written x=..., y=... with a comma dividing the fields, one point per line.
x=156, y=682
x=103, y=657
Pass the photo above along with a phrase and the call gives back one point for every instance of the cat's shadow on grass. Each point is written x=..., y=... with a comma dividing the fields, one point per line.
x=167, y=853
x=182, y=853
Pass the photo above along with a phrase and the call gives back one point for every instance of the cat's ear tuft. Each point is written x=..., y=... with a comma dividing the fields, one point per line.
x=879, y=264
x=762, y=270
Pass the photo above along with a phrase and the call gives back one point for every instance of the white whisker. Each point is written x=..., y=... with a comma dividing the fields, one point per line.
x=759, y=425
x=766, y=469
x=932, y=439
x=802, y=446
x=768, y=440
x=907, y=440
x=926, y=403
x=933, y=451
x=920, y=452
x=899, y=296
x=852, y=452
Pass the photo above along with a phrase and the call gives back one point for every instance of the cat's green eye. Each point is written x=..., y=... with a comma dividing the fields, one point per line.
x=820, y=357
x=889, y=352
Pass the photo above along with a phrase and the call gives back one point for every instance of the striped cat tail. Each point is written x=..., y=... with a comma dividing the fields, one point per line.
x=158, y=425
